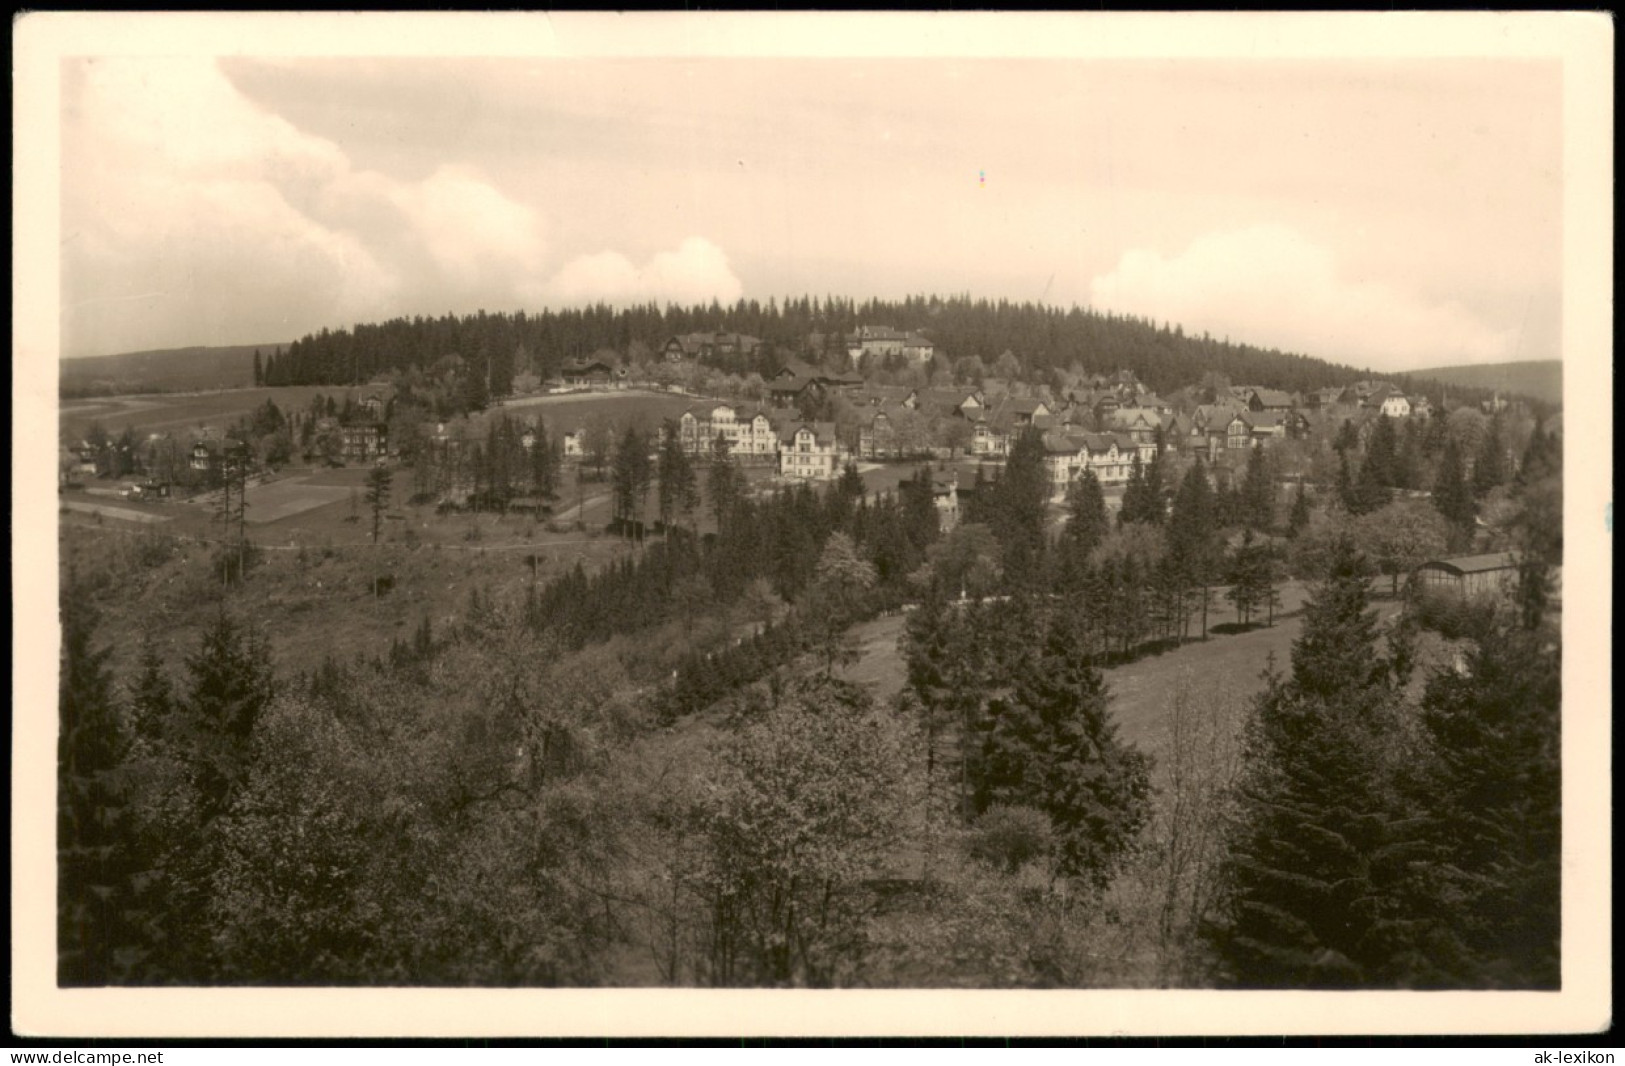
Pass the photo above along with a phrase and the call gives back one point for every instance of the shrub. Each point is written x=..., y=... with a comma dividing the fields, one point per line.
x=1454, y=616
x=1008, y=838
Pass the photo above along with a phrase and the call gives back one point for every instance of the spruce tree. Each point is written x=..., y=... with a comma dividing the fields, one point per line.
x=152, y=697
x=1258, y=490
x=1319, y=858
x=1156, y=493
x=1453, y=497
x=723, y=481
x=1052, y=744
x=1021, y=496
x=676, y=475
x=1298, y=520
x=230, y=686
x=379, y=479
x=1495, y=875
x=1490, y=465
x=1371, y=489
x=94, y=864
x=944, y=675
x=1136, y=505
x=1192, y=534
x=1345, y=485
x=1086, y=521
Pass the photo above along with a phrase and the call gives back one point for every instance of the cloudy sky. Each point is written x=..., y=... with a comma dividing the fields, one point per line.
x=1389, y=213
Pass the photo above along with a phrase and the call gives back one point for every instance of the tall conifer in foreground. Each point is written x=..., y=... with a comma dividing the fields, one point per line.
x=93, y=867
x=1052, y=744
x=1319, y=856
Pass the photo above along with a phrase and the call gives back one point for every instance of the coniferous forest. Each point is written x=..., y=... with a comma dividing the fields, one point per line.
x=1042, y=339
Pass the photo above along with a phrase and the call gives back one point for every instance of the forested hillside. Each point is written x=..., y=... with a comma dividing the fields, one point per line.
x=1540, y=379
x=1041, y=339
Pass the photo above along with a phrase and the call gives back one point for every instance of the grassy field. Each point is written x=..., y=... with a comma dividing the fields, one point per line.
x=180, y=411
x=574, y=410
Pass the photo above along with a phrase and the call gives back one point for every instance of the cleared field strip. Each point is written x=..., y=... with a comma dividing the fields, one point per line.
x=283, y=499
x=106, y=511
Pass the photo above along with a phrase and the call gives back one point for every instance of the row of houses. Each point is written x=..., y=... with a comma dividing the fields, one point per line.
x=868, y=340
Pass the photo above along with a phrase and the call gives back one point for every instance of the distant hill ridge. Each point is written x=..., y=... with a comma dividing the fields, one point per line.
x=1540, y=379
x=163, y=369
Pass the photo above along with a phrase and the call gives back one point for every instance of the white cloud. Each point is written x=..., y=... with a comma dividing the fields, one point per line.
x=696, y=272
x=192, y=216
x=1270, y=286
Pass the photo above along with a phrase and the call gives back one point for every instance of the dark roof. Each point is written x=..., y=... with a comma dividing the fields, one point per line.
x=1210, y=414
x=585, y=366
x=823, y=432
x=790, y=386
x=1475, y=564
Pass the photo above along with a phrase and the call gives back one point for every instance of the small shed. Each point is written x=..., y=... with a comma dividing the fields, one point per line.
x=1470, y=575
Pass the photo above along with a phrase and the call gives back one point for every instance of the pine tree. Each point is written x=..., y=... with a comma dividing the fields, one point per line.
x=723, y=481
x=94, y=864
x=259, y=369
x=1319, y=862
x=1052, y=744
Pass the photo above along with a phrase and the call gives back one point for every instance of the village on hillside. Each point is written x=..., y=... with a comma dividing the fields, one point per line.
x=807, y=421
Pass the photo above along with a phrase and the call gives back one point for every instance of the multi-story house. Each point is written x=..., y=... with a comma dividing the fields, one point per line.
x=1249, y=426
x=808, y=450
x=1140, y=423
x=1390, y=401
x=884, y=341
x=996, y=429
x=1067, y=455
x=210, y=455
x=362, y=441
x=748, y=430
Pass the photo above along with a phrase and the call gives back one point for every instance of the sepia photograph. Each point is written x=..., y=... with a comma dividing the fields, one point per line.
x=841, y=524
